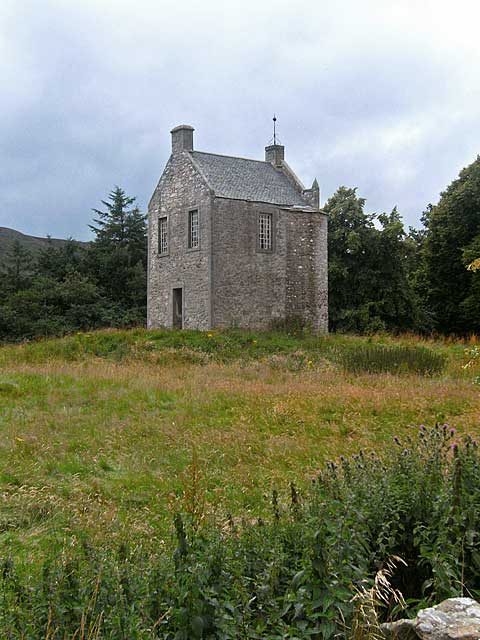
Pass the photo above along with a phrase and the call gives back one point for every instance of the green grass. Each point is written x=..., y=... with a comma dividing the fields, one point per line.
x=98, y=431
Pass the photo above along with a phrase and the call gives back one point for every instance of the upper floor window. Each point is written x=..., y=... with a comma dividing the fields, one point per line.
x=193, y=229
x=265, y=232
x=163, y=236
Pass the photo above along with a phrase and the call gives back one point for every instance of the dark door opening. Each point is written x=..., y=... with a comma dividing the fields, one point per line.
x=177, y=309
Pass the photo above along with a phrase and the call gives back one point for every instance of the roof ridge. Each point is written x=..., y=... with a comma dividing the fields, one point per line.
x=224, y=155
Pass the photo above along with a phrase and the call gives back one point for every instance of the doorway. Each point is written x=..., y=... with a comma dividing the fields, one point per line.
x=178, y=308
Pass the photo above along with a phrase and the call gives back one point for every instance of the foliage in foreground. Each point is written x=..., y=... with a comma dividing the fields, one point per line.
x=291, y=576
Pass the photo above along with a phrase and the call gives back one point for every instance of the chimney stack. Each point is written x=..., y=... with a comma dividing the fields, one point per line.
x=275, y=153
x=182, y=138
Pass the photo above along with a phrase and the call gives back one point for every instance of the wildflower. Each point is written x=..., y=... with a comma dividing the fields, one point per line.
x=423, y=427
x=254, y=341
x=310, y=363
x=396, y=440
x=209, y=335
x=452, y=431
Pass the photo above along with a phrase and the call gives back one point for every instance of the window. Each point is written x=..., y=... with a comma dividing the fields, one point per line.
x=193, y=229
x=265, y=232
x=163, y=236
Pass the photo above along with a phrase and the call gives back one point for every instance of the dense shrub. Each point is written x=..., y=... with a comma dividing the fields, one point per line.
x=290, y=576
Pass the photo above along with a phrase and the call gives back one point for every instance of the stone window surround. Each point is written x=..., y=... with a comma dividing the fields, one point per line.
x=272, y=231
x=189, y=211
x=167, y=252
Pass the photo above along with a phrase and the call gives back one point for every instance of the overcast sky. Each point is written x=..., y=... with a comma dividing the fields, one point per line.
x=381, y=95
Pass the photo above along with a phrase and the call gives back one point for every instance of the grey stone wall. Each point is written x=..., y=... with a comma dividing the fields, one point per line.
x=256, y=289
x=248, y=284
x=180, y=189
x=307, y=275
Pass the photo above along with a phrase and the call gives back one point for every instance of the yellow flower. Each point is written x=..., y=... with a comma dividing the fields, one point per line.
x=209, y=335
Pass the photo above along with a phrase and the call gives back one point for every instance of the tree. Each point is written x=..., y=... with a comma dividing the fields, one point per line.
x=121, y=227
x=57, y=261
x=452, y=242
x=369, y=288
x=118, y=255
x=18, y=269
x=397, y=304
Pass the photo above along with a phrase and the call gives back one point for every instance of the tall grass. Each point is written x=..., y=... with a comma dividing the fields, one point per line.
x=395, y=359
x=291, y=575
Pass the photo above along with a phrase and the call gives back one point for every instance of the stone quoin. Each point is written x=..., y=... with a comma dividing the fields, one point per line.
x=235, y=242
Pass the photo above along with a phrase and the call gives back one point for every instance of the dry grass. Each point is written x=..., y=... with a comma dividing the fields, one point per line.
x=101, y=446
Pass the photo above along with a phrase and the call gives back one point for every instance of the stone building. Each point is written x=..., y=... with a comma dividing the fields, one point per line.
x=234, y=243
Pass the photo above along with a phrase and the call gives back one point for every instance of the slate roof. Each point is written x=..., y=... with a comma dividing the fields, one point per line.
x=243, y=179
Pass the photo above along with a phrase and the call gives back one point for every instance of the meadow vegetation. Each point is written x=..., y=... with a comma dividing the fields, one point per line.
x=110, y=437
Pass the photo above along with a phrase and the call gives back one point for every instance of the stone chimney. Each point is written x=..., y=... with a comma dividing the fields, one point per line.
x=275, y=153
x=182, y=138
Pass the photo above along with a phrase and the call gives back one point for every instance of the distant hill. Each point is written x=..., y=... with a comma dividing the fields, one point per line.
x=32, y=243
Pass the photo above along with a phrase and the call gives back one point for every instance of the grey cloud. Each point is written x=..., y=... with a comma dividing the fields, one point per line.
x=364, y=96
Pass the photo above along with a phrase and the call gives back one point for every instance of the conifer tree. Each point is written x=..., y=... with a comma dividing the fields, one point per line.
x=122, y=225
x=118, y=255
x=18, y=268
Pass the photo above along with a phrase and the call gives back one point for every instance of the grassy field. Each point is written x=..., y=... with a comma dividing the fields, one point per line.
x=108, y=433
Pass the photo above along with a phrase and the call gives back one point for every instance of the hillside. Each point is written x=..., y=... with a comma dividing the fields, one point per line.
x=32, y=243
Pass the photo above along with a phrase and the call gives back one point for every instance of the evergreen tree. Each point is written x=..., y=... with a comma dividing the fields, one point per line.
x=452, y=242
x=57, y=261
x=121, y=227
x=18, y=268
x=118, y=255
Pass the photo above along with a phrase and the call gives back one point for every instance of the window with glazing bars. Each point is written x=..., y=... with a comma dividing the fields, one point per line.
x=265, y=231
x=163, y=235
x=193, y=229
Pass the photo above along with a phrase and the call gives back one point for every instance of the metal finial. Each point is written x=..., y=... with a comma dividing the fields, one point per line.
x=274, y=132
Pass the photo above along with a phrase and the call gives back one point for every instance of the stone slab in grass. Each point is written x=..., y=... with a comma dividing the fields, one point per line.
x=453, y=619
